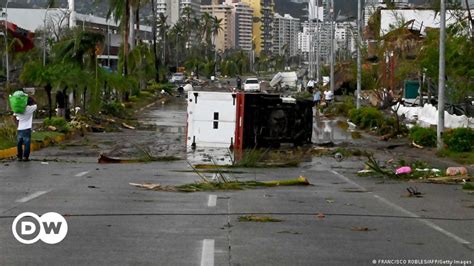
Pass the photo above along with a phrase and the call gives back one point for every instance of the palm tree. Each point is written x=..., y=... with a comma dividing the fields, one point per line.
x=216, y=27
x=120, y=9
x=163, y=28
x=205, y=26
x=155, y=46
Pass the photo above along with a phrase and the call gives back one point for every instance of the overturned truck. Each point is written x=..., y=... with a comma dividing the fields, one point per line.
x=246, y=120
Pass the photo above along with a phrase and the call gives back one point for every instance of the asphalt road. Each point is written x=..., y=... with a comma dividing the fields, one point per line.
x=340, y=220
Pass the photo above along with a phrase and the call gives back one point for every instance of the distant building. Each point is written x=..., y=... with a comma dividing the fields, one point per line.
x=263, y=11
x=173, y=9
x=242, y=16
x=226, y=37
x=285, y=35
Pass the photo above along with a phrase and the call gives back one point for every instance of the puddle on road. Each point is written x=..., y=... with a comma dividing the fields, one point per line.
x=325, y=130
x=217, y=156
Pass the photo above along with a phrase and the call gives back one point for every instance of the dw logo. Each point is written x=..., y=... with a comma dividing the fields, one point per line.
x=28, y=228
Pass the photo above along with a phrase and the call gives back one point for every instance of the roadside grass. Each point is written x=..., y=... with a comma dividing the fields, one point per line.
x=459, y=157
x=468, y=186
x=44, y=135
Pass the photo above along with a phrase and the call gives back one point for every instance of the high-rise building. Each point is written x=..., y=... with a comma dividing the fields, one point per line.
x=268, y=12
x=285, y=35
x=225, y=39
x=173, y=9
x=263, y=11
x=242, y=16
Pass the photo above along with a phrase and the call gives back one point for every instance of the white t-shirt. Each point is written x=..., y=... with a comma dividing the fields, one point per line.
x=328, y=95
x=25, y=120
x=310, y=83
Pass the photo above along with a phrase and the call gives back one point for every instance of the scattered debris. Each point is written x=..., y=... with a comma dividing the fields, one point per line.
x=403, y=170
x=361, y=229
x=289, y=232
x=45, y=163
x=218, y=186
x=453, y=171
x=259, y=219
x=413, y=192
x=320, y=215
x=125, y=125
x=448, y=179
x=330, y=201
x=353, y=190
x=92, y=187
x=416, y=145
x=146, y=185
x=338, y=156
x=108, y=159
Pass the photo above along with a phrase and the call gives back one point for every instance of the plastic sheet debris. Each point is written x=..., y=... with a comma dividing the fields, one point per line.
x=453, y=171
x=403, y=170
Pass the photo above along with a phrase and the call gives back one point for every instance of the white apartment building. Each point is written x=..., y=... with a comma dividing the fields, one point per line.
x=285, y=35
x=172, y=9
x=242, y=16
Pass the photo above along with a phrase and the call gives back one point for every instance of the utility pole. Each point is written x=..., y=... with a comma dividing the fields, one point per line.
x=442, y=71
x=359, y=59
x=318, y=44
x=331, y=14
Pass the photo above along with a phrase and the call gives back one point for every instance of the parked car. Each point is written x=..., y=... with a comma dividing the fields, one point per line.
x=177, y=78
x=252, y=84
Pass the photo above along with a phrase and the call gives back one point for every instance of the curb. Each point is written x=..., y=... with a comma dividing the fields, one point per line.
x=35, y=145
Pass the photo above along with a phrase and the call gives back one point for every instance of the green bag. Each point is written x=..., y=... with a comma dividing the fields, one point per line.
x=18, y=102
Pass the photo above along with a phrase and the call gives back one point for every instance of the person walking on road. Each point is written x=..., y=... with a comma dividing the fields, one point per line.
x=328, y=96
x=239, y=83
x=310, y=85
x=316, y=98
x=25, y=124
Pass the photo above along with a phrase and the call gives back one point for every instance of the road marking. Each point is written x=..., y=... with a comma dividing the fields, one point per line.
x=424, y=221
x=207, y=256
x=32, y=196
x=407, y=212
x=212, y=201
x=82, y=173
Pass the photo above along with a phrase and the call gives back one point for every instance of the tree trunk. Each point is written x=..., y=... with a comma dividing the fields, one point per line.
x=132, y=37
x=470, y=19
x=126, y=45
x=48, y=90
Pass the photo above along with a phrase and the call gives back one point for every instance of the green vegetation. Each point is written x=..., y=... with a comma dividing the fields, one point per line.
x=468, y=186
x=466, y=158
x=459, y=139
x=342, y=108
x=116, y=109
x=423, y=136
x=7, y=133
x=59, y=123
x=419, y=170
x=366, y=117
x=44, y=135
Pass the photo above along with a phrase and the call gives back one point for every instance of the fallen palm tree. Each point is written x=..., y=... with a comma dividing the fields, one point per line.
x=223, y=186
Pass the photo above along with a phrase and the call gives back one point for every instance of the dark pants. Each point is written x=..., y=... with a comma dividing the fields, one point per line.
x=23, y=138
